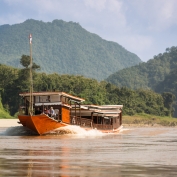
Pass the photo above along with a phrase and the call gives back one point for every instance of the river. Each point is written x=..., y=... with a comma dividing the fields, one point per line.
x=74, y=152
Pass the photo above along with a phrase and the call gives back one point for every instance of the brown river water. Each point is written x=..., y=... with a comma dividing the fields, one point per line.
x=74, y=152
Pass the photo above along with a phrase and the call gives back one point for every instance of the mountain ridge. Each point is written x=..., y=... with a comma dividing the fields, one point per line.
x=146, y=75
x=64, y=48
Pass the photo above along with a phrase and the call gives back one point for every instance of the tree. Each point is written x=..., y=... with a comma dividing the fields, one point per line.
x=169, y=100
x=25, y=62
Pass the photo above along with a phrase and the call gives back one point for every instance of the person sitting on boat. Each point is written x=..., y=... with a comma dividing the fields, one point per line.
x=38, y=111
x=46, y=111
x=52, y=112
x=73, y=120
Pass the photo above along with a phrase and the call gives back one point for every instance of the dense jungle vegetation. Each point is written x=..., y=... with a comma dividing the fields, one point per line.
x=64, y=48
x=158, y=74
x=14, y=81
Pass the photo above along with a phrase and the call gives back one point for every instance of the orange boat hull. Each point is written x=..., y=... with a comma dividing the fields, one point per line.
x=40, y=123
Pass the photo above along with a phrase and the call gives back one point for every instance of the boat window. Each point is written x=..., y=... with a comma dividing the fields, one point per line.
x=107, y=121
x=99, y=120
x=37, y=99
x=54, y=98
x=64, y=100
x=42, y=99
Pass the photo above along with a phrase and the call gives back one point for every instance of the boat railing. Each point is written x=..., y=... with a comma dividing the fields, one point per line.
x=86, y=122
x=75, y=120
x=83, y=122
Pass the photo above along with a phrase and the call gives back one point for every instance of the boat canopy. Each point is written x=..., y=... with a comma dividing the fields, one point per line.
x=102, y=107
x=63, y=94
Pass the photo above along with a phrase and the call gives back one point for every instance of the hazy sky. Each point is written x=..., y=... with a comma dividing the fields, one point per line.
x=143, y=27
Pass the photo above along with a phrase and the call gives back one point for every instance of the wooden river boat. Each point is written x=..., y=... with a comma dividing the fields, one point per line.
x=69, y=111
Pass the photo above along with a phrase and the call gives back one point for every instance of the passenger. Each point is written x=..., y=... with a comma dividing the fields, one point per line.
x=45, y=111
x=52, y=112
x=73, y=120
x=38, y=111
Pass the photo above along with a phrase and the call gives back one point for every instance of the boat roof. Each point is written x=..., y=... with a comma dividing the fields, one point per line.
x=101, y=107
x=105, y=106
x=71, y=97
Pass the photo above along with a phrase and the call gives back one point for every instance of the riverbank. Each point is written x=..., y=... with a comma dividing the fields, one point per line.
x=9, y=122
x=148, y=120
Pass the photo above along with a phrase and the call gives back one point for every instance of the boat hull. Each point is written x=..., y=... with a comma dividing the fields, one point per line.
x=40, y=124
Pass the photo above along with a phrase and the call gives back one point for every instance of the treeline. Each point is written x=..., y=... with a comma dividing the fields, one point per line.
x=158, y=74
x=13, y=81
x=3, y=113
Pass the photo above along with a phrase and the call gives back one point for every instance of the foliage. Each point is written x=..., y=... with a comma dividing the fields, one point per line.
x=94, y=92
x=158, y=74
x=4, y=113
x=140, y=101
x=25, y=62
x=146, y=75
x=64, y=48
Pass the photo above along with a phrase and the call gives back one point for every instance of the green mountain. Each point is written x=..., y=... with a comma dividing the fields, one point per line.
x=169, y=85
x=64, y=48
x=147, y=75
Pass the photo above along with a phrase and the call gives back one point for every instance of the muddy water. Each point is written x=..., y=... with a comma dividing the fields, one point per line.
x=148, y=151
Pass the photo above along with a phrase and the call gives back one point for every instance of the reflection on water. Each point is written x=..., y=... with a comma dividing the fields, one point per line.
x=132, y=152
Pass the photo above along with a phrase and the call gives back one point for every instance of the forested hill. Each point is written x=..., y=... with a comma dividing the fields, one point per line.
x=64, y=48
x=147, y=75
x=158, y=74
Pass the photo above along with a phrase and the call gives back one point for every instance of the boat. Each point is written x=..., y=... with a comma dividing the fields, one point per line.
x=69, y=110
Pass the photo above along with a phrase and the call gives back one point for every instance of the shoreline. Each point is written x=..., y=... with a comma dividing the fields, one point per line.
x=144, y=125
x=147, y=125
x=8, y=122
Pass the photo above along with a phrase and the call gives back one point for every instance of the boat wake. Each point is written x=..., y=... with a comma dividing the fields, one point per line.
x=76, y=130
x=70, y=129
x=17, y=131
x=79, y=131
x=124, y=130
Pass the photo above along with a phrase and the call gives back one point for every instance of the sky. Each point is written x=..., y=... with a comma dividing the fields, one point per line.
x=143, y=27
